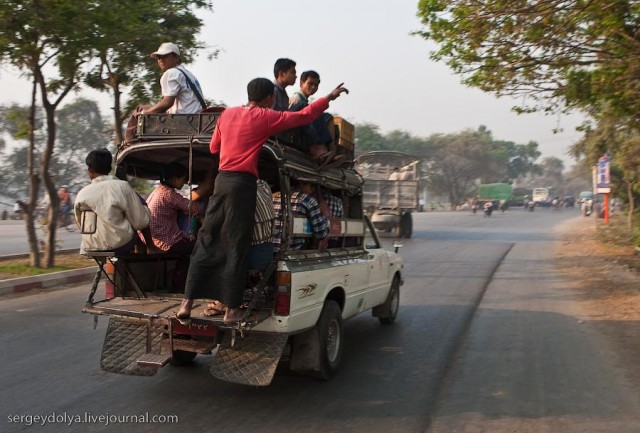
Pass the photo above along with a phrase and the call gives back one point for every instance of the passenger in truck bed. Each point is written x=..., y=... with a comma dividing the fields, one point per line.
x=165, y=204
x=333, y=209
x=218, y=267
x=319, y=134
x=303, y=204
x=120, y=212
x=261, y=249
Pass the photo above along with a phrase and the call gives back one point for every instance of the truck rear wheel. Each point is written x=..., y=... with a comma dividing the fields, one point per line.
x=182, y=357
x=330, y=340
x=406, y=224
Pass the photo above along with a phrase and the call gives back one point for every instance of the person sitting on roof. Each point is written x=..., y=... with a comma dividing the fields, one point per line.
x=320, y=134
x=181, y=91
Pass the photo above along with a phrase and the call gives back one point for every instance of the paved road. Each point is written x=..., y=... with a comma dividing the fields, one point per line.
x=13, y=238
x=485, y=342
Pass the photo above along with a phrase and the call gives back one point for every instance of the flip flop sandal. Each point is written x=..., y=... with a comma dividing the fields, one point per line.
x=184, y=320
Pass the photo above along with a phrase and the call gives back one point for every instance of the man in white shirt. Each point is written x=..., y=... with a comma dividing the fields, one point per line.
x=181, y=91
x=112, y=208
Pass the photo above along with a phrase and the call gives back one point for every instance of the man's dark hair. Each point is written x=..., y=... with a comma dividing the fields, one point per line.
x=259, y=88
x=307, y=74
x=99, y=161
x=174, y=169
x=282, y=65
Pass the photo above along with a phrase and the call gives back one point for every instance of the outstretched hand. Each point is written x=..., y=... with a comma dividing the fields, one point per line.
x=337, y=91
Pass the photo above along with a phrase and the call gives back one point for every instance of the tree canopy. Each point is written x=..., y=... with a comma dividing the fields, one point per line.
x=126, y=32
x=556, y=53
x=55, y=43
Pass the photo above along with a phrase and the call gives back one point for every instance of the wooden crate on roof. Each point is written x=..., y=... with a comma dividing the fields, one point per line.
x=345, y=137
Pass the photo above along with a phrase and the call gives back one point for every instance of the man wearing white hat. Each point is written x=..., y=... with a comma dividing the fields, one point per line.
x=181, y=91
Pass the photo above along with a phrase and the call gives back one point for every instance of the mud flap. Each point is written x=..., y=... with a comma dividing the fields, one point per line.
x=251, y=361
x=128, y=340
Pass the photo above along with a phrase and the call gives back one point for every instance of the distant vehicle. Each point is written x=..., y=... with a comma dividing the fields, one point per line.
x=520, y=197
x=390, y=190
x=569, y=201
x=541, y=196
x=584, y=196
x=495, y=192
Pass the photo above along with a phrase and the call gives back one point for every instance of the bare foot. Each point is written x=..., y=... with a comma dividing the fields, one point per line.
x=184, y=313
x=233, y=315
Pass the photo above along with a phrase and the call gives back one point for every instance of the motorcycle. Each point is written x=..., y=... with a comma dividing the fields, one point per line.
x=488, y=209
x=530, y=206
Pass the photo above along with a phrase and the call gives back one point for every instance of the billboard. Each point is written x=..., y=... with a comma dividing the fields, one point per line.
x=602, y=181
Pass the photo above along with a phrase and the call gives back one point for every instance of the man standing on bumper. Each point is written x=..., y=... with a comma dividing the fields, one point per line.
x=219, y=260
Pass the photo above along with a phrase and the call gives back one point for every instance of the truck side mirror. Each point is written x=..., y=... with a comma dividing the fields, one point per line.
x=397, y=245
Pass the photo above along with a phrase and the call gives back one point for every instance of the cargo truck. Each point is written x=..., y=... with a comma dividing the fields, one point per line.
x=390, y=190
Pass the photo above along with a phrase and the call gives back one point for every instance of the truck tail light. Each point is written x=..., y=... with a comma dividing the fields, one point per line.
x=283, y=293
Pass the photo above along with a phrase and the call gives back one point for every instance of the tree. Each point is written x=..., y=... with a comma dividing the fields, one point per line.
x=50, y=41
x=459, y=161
x=552, y=169
x=556, y=53
x=14, y=122
x=81, y=129
x=577, y=178
x=124, y=55
x=368, y=138
x=53, y=40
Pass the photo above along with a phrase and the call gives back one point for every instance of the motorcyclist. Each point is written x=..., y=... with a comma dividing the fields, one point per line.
x=488, y=208
x=502, y=206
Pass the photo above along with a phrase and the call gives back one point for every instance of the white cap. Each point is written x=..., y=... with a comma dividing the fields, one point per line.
x=166, y=48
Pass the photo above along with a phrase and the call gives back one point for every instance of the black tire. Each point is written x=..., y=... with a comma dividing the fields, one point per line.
x=388, y=311
x=406, y=222
x=330, y=338
x=182, y=357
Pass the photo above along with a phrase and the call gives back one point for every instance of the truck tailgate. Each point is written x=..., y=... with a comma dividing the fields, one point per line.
x=165, y=308
x=390, y=194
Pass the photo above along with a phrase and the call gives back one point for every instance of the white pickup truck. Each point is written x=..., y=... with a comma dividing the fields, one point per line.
x=294, y=312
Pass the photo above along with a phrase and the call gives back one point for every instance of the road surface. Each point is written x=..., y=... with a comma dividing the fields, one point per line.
x=486, y=341
x=13, y=238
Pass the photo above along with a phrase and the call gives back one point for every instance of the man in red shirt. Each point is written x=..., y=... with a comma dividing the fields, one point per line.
x=219, y=260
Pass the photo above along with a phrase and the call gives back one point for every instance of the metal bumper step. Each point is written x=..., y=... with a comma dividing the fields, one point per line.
x=252, y=360
x=127, y=341
x=154, y=360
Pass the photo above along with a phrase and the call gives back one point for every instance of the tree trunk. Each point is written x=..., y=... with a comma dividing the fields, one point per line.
x=631, y=207
x=45, y=162
x=117, y=115
x=34, y=185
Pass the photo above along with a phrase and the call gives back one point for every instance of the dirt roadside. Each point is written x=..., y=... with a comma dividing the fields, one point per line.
x=605, y=278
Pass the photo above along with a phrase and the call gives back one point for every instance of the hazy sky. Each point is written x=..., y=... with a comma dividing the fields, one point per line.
x=363, y=43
